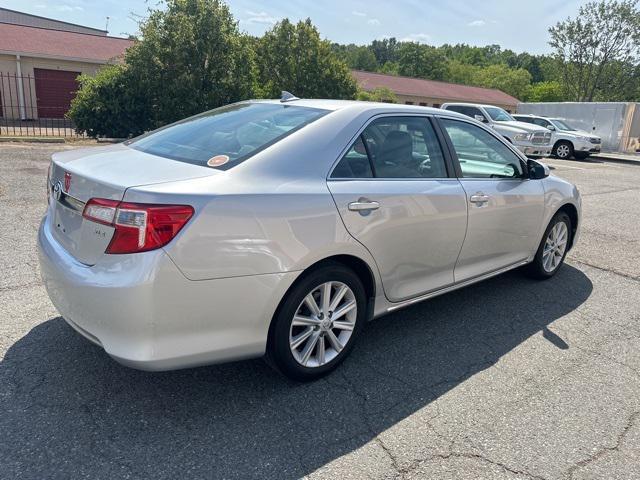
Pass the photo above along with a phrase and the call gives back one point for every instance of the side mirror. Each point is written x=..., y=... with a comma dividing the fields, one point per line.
x=480, y=118
x=537, y=170
x=551, y=127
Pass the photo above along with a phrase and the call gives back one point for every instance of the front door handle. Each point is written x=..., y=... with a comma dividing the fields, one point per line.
x=479, y=199
x=363, y=205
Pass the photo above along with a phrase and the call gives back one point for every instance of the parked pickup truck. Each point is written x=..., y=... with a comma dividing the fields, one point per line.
x=532, y=140
x=567, y=141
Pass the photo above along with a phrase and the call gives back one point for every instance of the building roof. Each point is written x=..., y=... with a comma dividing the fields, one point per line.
x=21, y=18
x=45, y=43
x=419, y=87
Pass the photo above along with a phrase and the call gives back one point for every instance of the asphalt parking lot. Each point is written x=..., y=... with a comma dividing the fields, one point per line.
x=508, y=379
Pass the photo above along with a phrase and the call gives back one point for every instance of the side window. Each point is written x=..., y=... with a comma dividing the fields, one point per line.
x=542, y=122
x=404, y=147
x=466, y=110
x=355, y=163
x=480, y=154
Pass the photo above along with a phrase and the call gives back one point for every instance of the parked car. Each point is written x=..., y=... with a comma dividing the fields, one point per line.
x=281, y=227
x=567, y=141
x=531, y=140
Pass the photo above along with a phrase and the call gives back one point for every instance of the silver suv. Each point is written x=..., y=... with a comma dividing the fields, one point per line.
x=530, y=139
x=567, y=141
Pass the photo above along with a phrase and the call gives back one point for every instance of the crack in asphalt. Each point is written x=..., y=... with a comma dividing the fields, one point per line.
x=603, y=451
x=482, y=458
x=628, y=276
x=609, y=192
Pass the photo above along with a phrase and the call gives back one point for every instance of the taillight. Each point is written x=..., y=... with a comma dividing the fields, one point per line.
x=139, y=227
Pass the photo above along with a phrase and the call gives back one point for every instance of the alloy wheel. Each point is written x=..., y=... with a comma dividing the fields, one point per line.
x=323, y=324
x=555, y=247
x=563, y=151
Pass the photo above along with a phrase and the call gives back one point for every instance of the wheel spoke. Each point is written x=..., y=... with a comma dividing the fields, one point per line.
x=308, y=348
x=326, y=297
x=333, y=340
x=343, y=310
x=311, y=303
x=320, y=351
x=302, y=321
x=337, y=298
x=300, y=338
x=343, y=325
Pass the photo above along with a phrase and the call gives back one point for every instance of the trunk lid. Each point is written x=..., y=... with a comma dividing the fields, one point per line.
x=104, y=172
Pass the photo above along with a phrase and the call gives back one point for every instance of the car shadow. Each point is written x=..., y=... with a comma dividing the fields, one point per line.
x=67, y=410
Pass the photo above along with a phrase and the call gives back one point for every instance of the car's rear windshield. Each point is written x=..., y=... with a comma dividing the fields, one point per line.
x=226, y=136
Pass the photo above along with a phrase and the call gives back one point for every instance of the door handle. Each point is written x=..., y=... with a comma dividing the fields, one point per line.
x=479, y=198
x=363, y=205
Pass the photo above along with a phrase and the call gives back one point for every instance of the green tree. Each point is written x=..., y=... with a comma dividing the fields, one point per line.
x=380, y=94
x=605, y=33
x=551, y=91
x=294, y=58
x=191, y=58
x=512, y=81
x=110, y=104
x=459, y=72
x=417, y=60
x=362, y=58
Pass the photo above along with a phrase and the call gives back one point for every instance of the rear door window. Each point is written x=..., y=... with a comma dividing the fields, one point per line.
x=394, y=147
x=224, y=137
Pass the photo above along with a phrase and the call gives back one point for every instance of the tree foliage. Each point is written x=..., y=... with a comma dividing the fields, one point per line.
x=599, y=49
x=192, y=57
x=380, y=94
x=294, y=58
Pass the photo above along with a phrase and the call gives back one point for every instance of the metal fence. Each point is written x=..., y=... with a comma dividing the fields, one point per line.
x=36, y=105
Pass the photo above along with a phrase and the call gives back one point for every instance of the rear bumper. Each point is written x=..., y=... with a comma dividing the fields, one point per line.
x=147, y=315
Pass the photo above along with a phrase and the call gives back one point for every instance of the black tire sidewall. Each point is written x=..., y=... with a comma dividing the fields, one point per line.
x=278, y=351
x=536, y=267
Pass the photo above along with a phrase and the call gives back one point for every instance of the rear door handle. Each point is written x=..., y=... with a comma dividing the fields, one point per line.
x=363, y=205
x=479, y=199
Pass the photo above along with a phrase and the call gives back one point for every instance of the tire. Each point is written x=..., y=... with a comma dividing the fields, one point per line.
x=563, y=150
x=541, y=268
x=290, y=361
x=581, y=155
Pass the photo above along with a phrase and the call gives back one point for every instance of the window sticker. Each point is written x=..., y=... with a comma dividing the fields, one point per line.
x=218, y=160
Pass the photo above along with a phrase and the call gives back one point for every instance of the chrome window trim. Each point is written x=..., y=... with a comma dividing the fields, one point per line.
x=425, y=116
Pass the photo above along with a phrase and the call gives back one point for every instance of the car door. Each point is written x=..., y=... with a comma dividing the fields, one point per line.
x=396, y=197
x=505, y=207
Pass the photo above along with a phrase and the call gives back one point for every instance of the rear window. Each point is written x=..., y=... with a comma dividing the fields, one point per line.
x=226, y=136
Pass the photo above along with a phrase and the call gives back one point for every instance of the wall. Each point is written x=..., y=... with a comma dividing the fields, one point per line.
x=8, y=65
x=618, y=124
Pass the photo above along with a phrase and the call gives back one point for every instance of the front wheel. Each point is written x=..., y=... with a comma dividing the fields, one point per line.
x=563, y=150
x=553, y=248
x=317, y=323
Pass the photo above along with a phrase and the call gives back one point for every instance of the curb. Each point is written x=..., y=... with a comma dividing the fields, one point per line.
x=33, y=139
x=615, y=159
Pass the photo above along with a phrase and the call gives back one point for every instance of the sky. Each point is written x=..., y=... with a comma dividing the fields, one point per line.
x=516, y=24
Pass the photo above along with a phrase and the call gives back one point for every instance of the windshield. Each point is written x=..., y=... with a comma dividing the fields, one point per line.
x=498, y=114
x=226, y=136
x=560, y=125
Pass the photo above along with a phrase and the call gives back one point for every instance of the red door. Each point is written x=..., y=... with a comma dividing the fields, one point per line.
x=54, y=91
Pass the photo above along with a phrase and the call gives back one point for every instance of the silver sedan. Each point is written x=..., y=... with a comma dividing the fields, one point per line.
x=279, y=228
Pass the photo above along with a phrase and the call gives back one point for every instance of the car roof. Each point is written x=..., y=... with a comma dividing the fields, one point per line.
x=357, y=105
x=484, y=105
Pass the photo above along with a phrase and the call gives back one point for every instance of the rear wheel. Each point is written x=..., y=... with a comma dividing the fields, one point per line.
x=563, y=150
x=317, y=324
x=553, y=248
